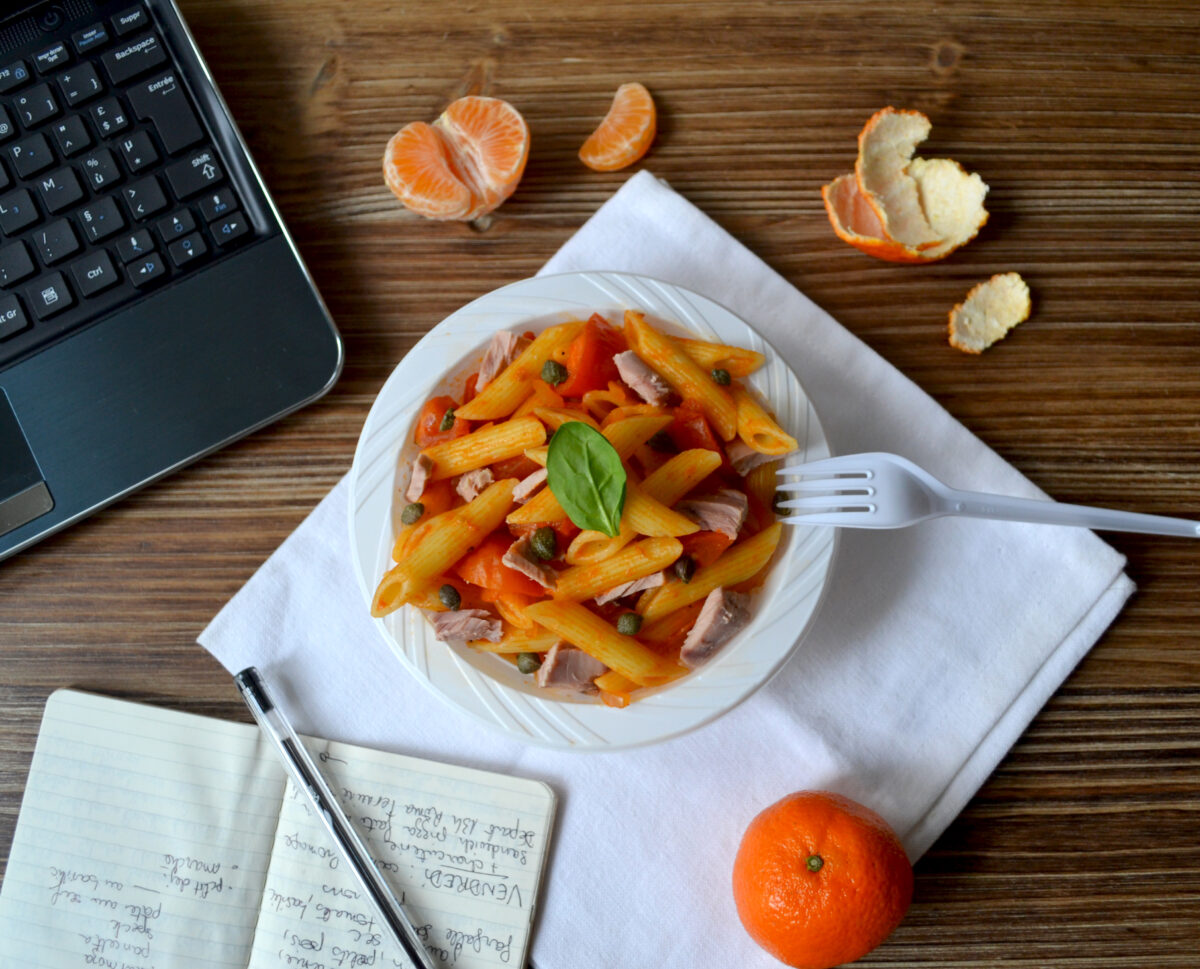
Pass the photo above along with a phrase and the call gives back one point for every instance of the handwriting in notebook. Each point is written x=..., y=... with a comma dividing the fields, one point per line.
x=152, y=840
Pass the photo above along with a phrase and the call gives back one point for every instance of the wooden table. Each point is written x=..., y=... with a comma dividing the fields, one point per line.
x=1081, y=850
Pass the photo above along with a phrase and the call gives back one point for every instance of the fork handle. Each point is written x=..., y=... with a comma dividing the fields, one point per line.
x=975, y=504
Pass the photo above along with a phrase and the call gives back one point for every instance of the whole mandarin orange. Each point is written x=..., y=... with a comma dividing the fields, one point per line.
x=819, y=880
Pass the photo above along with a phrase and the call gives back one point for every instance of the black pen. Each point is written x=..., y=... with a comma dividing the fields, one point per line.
x=309, y=781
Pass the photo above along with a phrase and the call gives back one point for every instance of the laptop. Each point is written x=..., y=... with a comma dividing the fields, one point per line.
x=153, y=307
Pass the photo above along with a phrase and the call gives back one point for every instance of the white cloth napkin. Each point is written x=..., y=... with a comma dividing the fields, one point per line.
x=934, y=649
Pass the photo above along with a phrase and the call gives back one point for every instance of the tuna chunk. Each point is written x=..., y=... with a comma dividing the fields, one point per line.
x=566, y=666
x=652, y=581
x=421, y=468
x=465, y=624
x=745, y=459
x=723, y=512
x=528, y=485
x=722, y=615
x=472, y=483
x=644, y=380
x=521, y=558
x=505, y=347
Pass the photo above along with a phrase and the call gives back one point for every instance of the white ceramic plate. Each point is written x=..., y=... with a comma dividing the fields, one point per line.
x=489, y=688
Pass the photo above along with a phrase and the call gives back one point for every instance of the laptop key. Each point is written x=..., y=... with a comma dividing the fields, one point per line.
x=49, y=295
x=100, y=219
x=35, y=105
x=176, y=225
x=15, y=263
x=94, y=272
x=216, y=204
x=109, y=117
x=127, y=21
x=228, y=230
x=55, y=241
x=146, y=270
x=71, y=134
x=79, y=84
x=138, y=151
x=144, y=198
x=31, y=155
x=60, y=190
x=187, y=250
x=100, y=169
x=54, y=56
x=134, y=244
x=13, y=76
x=7, y=128
x=163, y=102
x=5, y=181
x=12, y=318
x=194, y=173
x=17, y=212
x=126, y=61
x=89, y=38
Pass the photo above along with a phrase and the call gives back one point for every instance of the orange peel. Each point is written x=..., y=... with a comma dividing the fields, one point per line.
x=900, y=208
x=990, y=310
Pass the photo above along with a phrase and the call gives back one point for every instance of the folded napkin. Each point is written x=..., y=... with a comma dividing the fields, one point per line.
x=934, y=648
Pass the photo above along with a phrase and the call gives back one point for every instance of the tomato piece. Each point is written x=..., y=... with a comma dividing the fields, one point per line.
x=690, y=429
x=589, y=358
x=483, y=567
x=518, y=467
x=429, y=423
x=705, y=547
x=469, y=390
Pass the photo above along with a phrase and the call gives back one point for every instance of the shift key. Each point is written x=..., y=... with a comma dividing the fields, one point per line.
x=196, y=172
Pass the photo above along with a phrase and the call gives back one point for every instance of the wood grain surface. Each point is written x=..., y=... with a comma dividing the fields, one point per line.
x=1082, y=850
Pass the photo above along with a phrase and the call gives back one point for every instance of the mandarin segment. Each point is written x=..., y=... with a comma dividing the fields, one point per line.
x=820, y=880
x=990, y=310
x=626, y=132
x=462, y=166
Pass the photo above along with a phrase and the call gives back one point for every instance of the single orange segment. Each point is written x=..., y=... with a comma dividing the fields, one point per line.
x=462, y=166
x=626, y=132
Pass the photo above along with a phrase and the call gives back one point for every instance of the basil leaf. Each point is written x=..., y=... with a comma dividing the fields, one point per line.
x=585, y=473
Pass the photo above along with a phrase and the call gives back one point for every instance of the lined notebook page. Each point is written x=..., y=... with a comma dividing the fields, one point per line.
x=143, y=840
x=463, y=850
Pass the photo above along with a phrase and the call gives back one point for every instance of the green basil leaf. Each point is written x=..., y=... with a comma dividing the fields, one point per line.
x=586, y=475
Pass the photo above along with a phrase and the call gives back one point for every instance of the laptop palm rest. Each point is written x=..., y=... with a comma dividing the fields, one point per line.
x=23, y=493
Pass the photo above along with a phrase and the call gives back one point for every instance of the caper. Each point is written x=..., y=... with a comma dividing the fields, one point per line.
x=412, y=513
x=777, y=504
x=529, y=662
x=721, y=376
x=447, y=420
x=663, y=443
x=685, y=568
x=628, y=623
x=544, y=543
x=449, y=597
x=553, y=372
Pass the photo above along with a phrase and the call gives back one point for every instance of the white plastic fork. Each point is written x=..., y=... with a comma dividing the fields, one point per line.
x=880, y=490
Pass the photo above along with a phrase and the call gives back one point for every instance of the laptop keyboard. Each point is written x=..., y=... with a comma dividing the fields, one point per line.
x=109, y=186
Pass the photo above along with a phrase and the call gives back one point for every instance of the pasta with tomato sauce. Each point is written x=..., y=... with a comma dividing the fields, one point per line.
x=595, y=508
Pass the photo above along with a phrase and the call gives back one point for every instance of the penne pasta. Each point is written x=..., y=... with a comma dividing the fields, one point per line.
x=636, y=561
x=737, y=564
x=599, y=403
x=630, y=410
x=513, y=384
x=535, y=640
x=757, y=428
x=682, y=373
x=760, y=483
x=451, y=535
x=485, y=446
x=540, y=395
x=667, y=485
x=538, y=454
x=581, y=627
x=736, y=361
x=556, y=417
x=649, y=516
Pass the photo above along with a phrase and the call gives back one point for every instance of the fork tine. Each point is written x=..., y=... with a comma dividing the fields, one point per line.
x=833, y=503
x=837, y=485
x=829, y=466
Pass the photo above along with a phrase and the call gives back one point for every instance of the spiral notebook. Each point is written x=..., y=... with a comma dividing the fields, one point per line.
x=152, y=838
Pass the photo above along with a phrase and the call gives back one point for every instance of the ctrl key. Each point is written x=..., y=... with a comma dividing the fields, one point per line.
x=12, y=317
